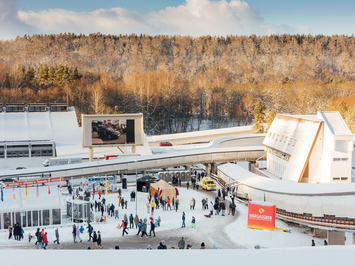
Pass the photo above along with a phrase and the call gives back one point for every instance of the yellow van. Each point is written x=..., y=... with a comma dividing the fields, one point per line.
x=208, y=183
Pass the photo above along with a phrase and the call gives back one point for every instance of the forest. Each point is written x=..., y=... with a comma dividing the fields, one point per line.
x=174, y=80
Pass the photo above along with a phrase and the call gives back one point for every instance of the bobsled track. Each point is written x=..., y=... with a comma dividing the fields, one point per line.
x=236, y=148
x=141, y=163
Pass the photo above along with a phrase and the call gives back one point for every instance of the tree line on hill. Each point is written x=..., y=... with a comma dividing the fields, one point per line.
x=173, y=79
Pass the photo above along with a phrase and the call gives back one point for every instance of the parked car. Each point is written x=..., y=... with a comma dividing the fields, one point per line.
x=165, y=143
x=108, y=133
x=208, y=183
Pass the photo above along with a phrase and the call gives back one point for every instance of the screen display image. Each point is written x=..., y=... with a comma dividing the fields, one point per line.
x=110, y=132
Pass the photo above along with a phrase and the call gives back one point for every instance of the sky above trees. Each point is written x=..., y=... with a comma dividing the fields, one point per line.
x=176, y=17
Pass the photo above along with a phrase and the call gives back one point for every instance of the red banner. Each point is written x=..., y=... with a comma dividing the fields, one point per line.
x=261, y=215
x=34, y=182
x=58, y=179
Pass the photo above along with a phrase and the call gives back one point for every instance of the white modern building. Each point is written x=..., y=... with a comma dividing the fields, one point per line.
x=310, y=149
x=30, y=134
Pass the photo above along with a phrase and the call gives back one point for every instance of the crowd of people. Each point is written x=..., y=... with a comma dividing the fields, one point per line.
x=145, y=227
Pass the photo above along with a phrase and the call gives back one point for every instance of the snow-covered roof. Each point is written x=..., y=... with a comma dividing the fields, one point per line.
x=293, y=136
x=266, y=184
x=62, y=127
x=335, y=123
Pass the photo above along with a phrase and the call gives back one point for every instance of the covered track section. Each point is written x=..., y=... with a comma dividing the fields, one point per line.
x=326, y=204
x=141, y=163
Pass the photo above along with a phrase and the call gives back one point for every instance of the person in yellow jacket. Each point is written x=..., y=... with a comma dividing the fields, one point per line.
x=152, y=205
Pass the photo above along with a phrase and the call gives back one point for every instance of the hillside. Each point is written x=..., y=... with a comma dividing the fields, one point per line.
x=172, y=79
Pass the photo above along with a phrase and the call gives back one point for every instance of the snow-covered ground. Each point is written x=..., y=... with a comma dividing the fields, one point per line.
x=224, y=232
x=235, y=242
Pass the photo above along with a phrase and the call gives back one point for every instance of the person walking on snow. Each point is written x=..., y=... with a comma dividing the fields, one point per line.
x=78, y=233
x=136, y=221
x=144, y=230
x=56, y=236
x=192, y=204
x=90, y=229
x=124, y=226
x=131, y=225
x=183, y=220
x=193, y=222
x=152, y=227
x=140, y=227
x=45, y=241
x=152, y=205
x=94, y=241
x=181, y=244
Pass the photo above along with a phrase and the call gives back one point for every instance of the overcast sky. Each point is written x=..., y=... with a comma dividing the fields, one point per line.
x=177, y=17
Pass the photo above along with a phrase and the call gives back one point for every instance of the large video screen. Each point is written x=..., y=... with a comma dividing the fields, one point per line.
x=112, y=132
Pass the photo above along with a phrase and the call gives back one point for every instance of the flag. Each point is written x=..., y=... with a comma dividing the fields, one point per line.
x=83, y=185
x=37, y=191
x=26, y=189
x=93, y=189
x=13, y=193
x=106, y=187
x=2, y=195
x=60, y=189
x=177, y=191
x=49, y=189
x=160, y=191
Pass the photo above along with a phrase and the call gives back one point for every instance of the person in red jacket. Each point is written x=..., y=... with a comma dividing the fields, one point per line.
x=45, y=240
x=168, y=203
x=124, y=227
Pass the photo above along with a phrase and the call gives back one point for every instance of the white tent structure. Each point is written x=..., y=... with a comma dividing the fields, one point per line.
x=30, y=211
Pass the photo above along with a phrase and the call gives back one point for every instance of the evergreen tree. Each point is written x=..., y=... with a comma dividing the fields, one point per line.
x=259, y=118
x=342, y=109
x=117, y=110
x=269, y=117
x=51, y=76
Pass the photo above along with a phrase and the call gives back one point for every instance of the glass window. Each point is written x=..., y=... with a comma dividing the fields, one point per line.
x=2, y=154
x=50, y=153
x=9, y=109
x=46, y=220
x=21, y=109
x=37, y=218
x=56, y=216
x=59, y=108
x=15, y=109
x=37, y=108
x=20, y=154
x=17, y=217
x=31, y=108
x=53, y=108
x=25, y=154
x=38, y=153
x=336, y=159
x=345, y=159
x=28, y=216
x=44, y=153
x=43, y=108
x=33, y=153
x=7, y=219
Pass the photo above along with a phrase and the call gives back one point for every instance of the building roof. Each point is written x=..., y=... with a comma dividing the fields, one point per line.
x=62, y=127
x=335, y=123
x=295, y=137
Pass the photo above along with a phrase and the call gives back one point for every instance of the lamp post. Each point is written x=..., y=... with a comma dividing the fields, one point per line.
x=136, y=196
